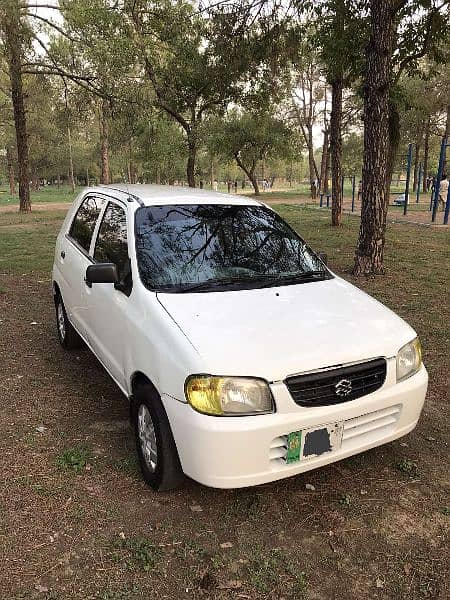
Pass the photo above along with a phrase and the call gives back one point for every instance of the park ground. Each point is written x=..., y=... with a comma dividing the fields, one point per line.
x=77, y=522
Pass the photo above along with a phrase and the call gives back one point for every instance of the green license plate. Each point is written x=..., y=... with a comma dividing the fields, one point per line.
x=294, y=444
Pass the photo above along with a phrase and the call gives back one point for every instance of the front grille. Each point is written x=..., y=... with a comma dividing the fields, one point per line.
x=319, y=389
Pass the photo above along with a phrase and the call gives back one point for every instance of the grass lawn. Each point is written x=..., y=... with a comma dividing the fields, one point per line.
x=45, y=194
x=77, y=523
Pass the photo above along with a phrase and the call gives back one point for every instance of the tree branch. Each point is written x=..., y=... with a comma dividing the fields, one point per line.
x=54, y=26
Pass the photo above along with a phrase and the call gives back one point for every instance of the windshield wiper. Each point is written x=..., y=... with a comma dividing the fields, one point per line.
x=210, y=284
x=295, y=277
x=266, y=279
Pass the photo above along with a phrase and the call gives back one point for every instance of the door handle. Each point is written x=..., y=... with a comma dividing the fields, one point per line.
x=63, y=254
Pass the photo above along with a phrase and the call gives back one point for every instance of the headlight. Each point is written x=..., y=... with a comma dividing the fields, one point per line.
x=228, y=395
x=409, y=359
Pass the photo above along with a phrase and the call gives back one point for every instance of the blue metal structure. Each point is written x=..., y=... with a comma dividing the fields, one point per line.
x=408, y=178
x=419, y=181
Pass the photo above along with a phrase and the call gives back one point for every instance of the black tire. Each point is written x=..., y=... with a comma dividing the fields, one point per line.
x=164, y=471
x=67, y=335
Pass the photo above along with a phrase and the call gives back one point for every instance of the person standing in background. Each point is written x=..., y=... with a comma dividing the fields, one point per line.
x=359, y=190
x=443, y=191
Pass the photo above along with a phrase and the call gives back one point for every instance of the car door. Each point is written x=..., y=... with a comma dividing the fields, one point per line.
x=73, y=258
x=107, y=303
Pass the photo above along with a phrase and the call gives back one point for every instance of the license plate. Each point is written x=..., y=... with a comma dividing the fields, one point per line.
x=315, y=441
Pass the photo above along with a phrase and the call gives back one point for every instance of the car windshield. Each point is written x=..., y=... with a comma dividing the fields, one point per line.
x=211, y=247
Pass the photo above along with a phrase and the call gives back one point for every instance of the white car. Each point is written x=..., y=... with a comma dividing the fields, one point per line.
x=245, y=359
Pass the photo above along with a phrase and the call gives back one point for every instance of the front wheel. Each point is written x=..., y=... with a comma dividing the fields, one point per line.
x=67, y=335
x=155, y=446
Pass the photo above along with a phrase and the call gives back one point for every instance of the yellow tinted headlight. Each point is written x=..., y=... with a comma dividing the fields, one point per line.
x=409, y=359
x=228, y=395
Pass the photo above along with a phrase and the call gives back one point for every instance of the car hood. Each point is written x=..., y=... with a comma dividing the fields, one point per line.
x=279, y=331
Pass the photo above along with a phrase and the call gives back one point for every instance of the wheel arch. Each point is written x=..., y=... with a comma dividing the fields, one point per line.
x=140, y=378
x=137, y=378
x=56, y=290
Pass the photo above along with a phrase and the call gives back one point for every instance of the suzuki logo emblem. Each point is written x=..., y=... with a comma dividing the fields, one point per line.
x=343, y=388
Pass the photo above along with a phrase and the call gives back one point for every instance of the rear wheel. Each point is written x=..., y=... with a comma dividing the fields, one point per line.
x=67, y=335
x=155, y=446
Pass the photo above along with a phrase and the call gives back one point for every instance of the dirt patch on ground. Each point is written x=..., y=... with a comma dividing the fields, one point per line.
x=20, y=226
x=36, y=207
x=78, y=523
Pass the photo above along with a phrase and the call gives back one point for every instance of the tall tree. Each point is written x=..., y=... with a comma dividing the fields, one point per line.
x=401, y=34
x=250, y=139
x=196, y=65
x=307, y=94
x=14, y=38
x=369, y=251
x=340, y=26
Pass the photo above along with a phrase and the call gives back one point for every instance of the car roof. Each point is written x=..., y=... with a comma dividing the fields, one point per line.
x=154, y=195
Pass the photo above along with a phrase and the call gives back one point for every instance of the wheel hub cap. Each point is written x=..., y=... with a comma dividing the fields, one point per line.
x=147, y=437
x=61, y=323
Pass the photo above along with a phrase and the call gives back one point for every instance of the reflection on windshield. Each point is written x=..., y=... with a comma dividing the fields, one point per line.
x=215, y=246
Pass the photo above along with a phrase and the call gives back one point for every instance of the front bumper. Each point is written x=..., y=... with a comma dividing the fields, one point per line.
x=232, y=452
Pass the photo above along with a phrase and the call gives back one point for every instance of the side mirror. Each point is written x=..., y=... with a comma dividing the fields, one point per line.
x=323, y=257
x=101, y=273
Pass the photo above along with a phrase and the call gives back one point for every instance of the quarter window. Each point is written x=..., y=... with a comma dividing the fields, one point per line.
x=112, y=244
x=84, y=222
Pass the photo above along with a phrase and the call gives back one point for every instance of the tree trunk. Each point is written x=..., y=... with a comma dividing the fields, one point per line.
x=250, y=174
x=211, y=172
x=12, y=29
x=447, y=135
x=426, y=149
x=104, y=141
x=11, y=174
x=326, y=143
x=313, y=173
x=192, y=154
x=417, y=158
x=326, y=187
x=324, y=161
x=71, y=176
x=336, y=151
x=254, y=181
x=377, y=83
x=158, y=175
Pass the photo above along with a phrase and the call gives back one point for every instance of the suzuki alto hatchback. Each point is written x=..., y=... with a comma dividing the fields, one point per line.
x=245, y=359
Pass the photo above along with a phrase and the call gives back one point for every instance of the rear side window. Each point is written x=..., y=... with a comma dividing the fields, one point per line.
x=111, y=243
x=84, y=222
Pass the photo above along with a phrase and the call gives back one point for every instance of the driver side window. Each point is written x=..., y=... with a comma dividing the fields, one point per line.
x=112, y=246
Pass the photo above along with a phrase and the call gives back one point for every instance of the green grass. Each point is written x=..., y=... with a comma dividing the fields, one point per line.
x=28, y=251
x=128, y=465
x=268, y=568
x=74, y=459
x=409, y=467
x=138, y=554
x=49, y=193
